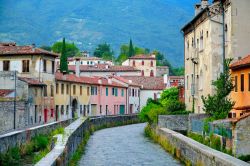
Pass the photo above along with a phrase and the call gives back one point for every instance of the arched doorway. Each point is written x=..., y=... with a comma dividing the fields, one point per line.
x=74, y=108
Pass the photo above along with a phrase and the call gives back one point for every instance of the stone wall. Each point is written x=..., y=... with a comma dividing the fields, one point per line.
x=68, y=143
x=194, y=153
x=173, y=122
x=17, y=138
x=196, y=122
x=242, y=137
x=7, y=114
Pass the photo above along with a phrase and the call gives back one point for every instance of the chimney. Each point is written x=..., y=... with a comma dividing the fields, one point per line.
x=109, y=81
x=33, y=47
x=77, y=67
x=204, y=4
x=100, y=81
x=197, y=9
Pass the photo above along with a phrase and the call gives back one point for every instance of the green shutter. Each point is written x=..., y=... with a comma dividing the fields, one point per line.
x=107, y=91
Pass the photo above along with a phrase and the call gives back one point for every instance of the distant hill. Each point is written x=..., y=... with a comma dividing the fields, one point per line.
x=154, y=24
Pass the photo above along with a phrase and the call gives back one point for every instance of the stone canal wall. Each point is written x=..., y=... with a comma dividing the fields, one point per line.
x=68, y=143
x=174, y=122
x=194, y=153
x=17, y=138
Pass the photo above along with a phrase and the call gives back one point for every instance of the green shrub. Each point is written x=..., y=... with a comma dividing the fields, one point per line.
x=216, y=143
x=196, y=137
x=40, y=142
x=245, y=157
x=11, y=157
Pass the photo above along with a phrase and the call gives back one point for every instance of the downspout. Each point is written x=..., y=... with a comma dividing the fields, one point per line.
x=223, y=35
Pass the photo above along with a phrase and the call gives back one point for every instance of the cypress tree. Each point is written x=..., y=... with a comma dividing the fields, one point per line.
x=63, y=59
x=131, y=51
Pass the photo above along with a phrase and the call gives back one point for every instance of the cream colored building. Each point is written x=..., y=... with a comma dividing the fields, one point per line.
x=145, y=63
x=203, y=37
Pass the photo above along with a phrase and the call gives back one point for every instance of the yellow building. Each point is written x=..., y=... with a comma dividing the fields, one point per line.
x=71, y=97
x=145, y=63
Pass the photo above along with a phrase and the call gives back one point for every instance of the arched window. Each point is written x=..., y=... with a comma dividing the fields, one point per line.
x=133, y=63
x=152, y=63
x=151, y=73
x=142, y=63
x=142, y=73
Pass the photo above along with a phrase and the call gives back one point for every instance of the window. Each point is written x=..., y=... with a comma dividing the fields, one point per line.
x=67, y=109
x=152, y=63
x=142, y=63
x=74, y=89
x=107, y=91
x=133, y=92
x=100, y=109
x=201, y=41
x=142, y=73
x=114, y=91
x=129, y=91
x=151, y=73
x=87, y=91
x=44, y=65
x=242, y=82
x=26, y=66
x=207, y=33
x=80, y=90
x=45, y=91
x=52, y=112
x=53, y=67
x=57, y=88
x=51, y=90
x=236, y=83
x=138, y=93
x=122, y=93
x=67, y=89
x=6, y=65
x=62, y=109
x=62, y=88
x=248, y=81
x=133, y=63
x=93, y=90
x=187, y=83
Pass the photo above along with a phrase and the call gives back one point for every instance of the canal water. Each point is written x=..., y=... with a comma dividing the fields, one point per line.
x=124, y=146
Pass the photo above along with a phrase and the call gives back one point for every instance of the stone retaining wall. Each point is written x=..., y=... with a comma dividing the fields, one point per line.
x=17, y=138
x=174, y=122
x=194, y=153
x=68, y=143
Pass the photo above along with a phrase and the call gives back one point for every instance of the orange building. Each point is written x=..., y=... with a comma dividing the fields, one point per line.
x=241, y=93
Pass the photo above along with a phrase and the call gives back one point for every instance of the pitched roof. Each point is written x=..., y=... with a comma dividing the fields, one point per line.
x=244, y=62
x=148, y=83
x=127, y=81
x=12, y=49
x=5, y=92
x=86, y=80
x=103, y=68
x=142, y=56
x=176, y=77
x=32, y=81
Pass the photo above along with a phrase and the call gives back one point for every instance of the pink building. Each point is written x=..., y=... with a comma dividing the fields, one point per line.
x=107, y=97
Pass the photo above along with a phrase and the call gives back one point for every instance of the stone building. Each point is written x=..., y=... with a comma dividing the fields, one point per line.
x=32, y=63
x=161, y=71
x=145, y=63
x=203, y=40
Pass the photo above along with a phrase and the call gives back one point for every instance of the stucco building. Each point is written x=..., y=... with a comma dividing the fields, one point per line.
x=203, y=41
x=241, y=93
x=145, y=63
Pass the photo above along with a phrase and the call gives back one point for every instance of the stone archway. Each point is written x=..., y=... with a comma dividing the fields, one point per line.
x=74, y=108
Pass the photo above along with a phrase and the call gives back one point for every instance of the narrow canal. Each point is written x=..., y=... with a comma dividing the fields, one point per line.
x=124, y=146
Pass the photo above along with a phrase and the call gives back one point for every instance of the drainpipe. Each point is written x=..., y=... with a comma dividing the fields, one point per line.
x=223, y=35
x=15, y=102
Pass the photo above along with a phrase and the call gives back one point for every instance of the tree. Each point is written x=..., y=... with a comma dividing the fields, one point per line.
x=70, y=51
x=219, y=105
x=104, y=51
x=131, y=51
x=63, y=58
x=48, y=48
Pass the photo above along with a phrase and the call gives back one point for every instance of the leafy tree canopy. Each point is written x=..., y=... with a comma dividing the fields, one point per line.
x=48, y=48
x=70, y=49
x=104, y=51
x=219, y=105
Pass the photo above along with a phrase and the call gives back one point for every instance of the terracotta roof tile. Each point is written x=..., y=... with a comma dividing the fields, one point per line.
x=23, y=50
x=127, y=81
x=5, y=92
x=32, y=81
x=148, y=83
x=86, y=80
x=103, y=68
x=244, y=62
x=142, y=56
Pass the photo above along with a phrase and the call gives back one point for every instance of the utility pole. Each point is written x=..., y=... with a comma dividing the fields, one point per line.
x=15, y=102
